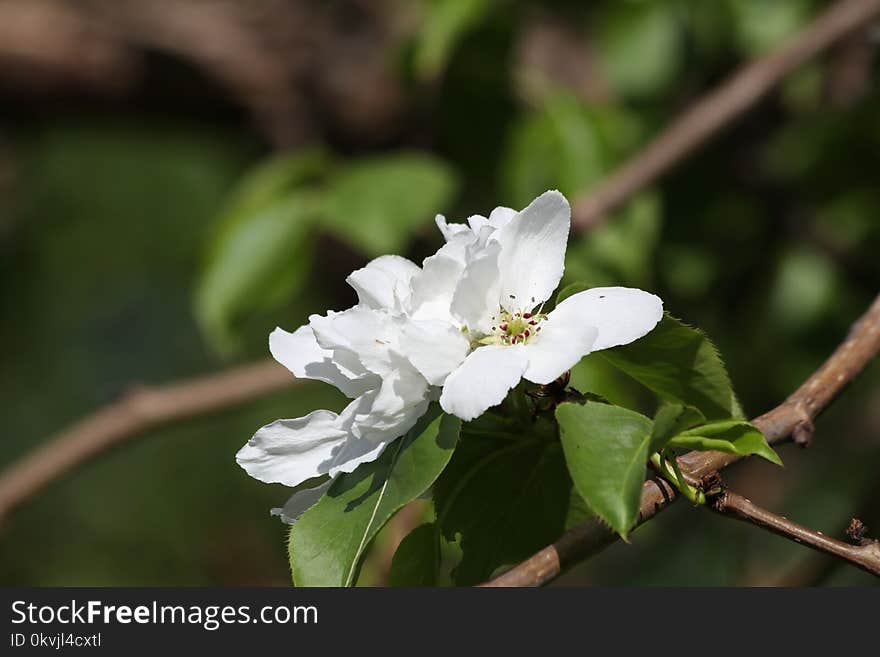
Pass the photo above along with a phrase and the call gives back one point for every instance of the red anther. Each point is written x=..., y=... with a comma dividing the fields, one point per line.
x=527, y=334
x=533, y=323
x=503, y=327
x=527, y=315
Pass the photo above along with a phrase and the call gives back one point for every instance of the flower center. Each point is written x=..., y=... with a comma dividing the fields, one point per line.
x=514, y=328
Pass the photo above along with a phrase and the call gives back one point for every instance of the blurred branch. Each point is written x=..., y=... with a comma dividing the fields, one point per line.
x=850, y=70
x=46, y=43
x=865, y=554
x=293, y=65
x=720, y=108
x=139, y=410
x=216, y=37
x=793, y=418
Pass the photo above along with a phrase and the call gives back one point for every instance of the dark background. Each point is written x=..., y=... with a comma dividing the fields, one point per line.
x=126, y=128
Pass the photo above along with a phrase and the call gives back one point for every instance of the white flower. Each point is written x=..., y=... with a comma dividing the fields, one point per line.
x=507, y=267
x=358, y=351
x=470, y=320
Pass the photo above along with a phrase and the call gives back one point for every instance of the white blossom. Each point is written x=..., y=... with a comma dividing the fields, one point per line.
x=510, y=265
x=466, y=327
x=358, y=351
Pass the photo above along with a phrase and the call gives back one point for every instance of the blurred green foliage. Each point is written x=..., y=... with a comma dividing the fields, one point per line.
x=141, y=249
x=265, y=242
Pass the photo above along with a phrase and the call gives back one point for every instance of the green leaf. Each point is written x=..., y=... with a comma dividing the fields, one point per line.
x=670, y=419
x=761, y=24
x=444, y=24
x=805, y=288
x=272, y=180
x=731, y=436
x=415, y=561
x=257, y=259
x=328, y=542
x=377, y=204
x=502, y=500
x=679, y=363
x=606, y=449
x=622, y=249
x=559, y=147
x=639, y=47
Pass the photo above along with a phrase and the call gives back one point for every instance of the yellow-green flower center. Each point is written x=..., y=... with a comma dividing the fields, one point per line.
x=513, y=328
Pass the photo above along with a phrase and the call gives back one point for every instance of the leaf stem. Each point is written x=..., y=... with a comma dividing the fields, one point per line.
x=667, y=465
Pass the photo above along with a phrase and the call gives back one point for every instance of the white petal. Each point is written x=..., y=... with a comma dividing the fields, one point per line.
x=621, y=314
x=448, y=230
x=300, y=502
x=476, y=296
x=367, y=334
x=384, y=283
x=501, y=216
x=533, y=251
x=392, y=405
x=388, y=414
x=433, y=287
x=476, y=222
x=483, y=380
x=435, y=348
x=557, y=348
x=305, y=358
x=356, y=452
x=290, y=451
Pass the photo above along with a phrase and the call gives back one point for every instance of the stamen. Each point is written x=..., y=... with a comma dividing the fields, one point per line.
x=527, y=315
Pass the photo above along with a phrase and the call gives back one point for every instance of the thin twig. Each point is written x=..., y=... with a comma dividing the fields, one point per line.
x=794, y=415
x=139, y=410
x=720, y=108
x=815, y=569
x=864, y=555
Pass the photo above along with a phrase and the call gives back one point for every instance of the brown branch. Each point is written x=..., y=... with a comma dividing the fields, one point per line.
x=817, y=567
x=793, y=416
x=720, y=108
x=865, y=554
x=217, y=38
x=42, y=44
x=141, y=409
